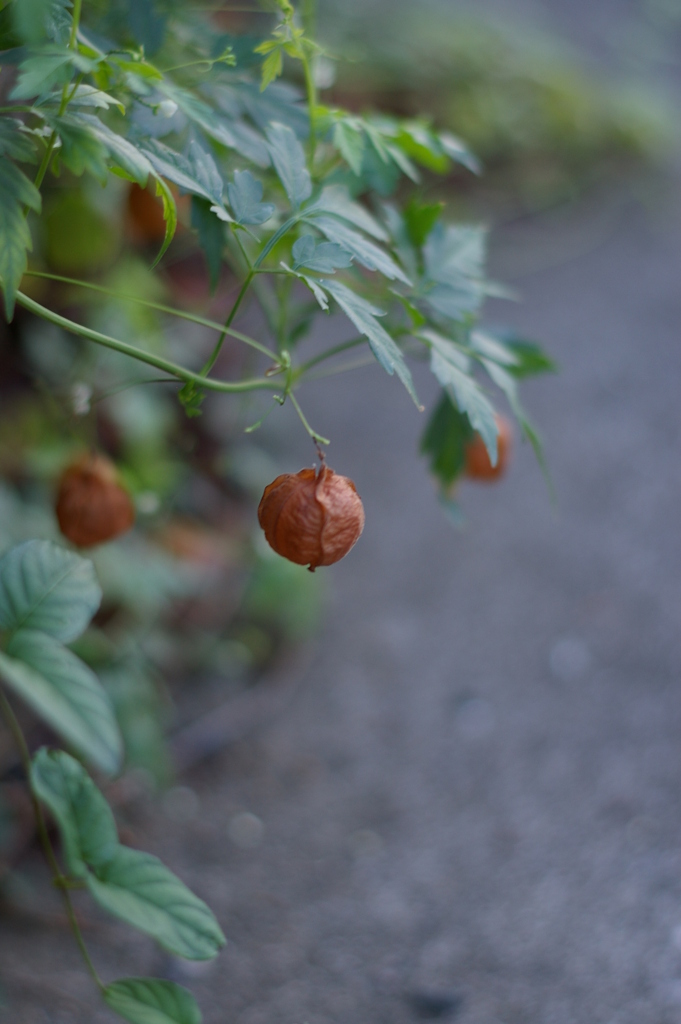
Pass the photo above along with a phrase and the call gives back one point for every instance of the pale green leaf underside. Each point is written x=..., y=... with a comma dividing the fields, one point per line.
x=363, y=315
x=365, y=252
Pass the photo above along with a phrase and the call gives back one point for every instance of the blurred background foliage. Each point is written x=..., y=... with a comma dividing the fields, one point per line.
x=547, y=122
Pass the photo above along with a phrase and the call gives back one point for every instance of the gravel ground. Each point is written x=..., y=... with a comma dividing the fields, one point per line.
x=471, y=811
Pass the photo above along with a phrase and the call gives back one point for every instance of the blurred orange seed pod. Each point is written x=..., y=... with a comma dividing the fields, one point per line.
x=311, y=518
x=478, y=464
x=92, y=507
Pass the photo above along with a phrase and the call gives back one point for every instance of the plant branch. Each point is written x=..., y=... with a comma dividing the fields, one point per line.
x=179, y=313
x=182, y=374
x=244, y=288
x=57, y=875
x=317, y=438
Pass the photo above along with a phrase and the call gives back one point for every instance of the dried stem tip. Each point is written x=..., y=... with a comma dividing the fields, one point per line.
x=92, y=507
x=311, y=518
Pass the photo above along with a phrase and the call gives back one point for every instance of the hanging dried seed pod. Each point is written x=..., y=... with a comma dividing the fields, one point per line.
x=92, y=507
x=478, y=464
x=311, y=518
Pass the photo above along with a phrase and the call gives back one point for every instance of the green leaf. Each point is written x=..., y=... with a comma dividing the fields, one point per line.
x=121, y=151
x=288, y=158
x=349, y=141
x=199, y=113
x=325, y=256
x=80, y=150
x=169, y=215
x=148, y=25
x=272, y=67
x=192, y=175
x=458, y=151
x=211, y=236
x=86, y=822
x=90, y=96
x=65, y=693
x=43, y=587
x=139, y=889
x=14, y=142
x=16, y=191
x=417, y=141
x=450, y=366
x=444, y=441
x=36, y=20
x=152, y=1001
x=454, y=258
x=420, y=220
x=363, y=315
x=318, y=292
x=530, y=359
x=454, y=251
x=335, y=199
x=40, y=73
x=365, y=252
x=245, y=195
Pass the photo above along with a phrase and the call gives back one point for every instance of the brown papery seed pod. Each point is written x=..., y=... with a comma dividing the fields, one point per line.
x=311, y=518
x=92, y=507
x=478, y=463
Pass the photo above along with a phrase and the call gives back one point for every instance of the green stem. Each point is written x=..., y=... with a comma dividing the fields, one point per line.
x=244, y=288
x=309, y=8
x=333, y=351
x=253, y=384
x=237, y=302
x=47, y=156
x=73, y=38
x=317, y=438
x=202, y=321
x=57, y=875
x=312, y=104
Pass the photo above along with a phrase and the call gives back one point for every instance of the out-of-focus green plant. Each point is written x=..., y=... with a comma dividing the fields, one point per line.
x=545, y=124
x=298, y=206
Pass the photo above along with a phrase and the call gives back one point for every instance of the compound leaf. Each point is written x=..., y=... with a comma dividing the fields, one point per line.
x=323, y=256
x=245, y=195
x=364, y=251
x=363, y=315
